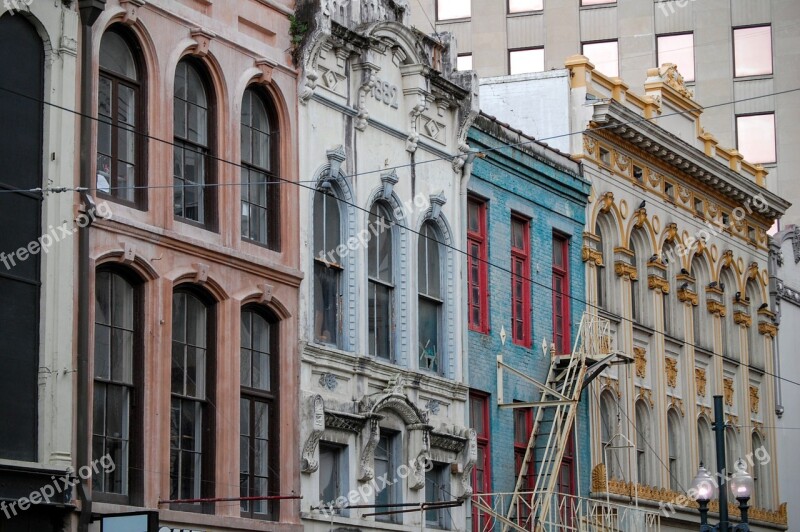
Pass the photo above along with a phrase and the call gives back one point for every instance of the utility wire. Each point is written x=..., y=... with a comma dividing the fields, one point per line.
x=450, y=246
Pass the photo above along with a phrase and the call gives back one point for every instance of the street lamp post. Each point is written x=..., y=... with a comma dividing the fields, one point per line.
x=705, y=489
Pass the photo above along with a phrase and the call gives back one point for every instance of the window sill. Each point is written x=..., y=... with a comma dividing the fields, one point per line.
x=536, y=12
x=756, y=77
x=598, y=6
x=453, y=20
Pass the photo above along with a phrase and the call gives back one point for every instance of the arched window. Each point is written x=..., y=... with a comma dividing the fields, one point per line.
x=192, y=166
x=705, y=444
x=260, y=189
x=642, y=438
x=673, y=311
x=600, y=270
x=675, y=444
x=755, y=345
x=328, y=268
x=22, y=69
x=730, y=331
x=608, y=429
x=703, y=329
x=430, y=300
x=259, y=413
x=639, y=295
x=118, y=378
x=381, y=283
x=760, y=498
x=192, y=429
x=120, y=113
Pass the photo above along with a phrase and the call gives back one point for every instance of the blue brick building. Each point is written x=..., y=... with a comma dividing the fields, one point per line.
x=526, y=213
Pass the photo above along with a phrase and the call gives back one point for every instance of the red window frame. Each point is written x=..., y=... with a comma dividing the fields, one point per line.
x=521, y=284
x=561, y=315
x=477, y=269
x=479, y=406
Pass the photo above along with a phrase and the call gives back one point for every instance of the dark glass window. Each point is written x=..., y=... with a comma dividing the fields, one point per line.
x=327, y=268
x=385, y=466
x=381, y=284
x=437, y=490
x=191, y=433
x=260, y=188
x=192, y=129
x=120, y=114
x=430, y=301
x=21, y=70
x=481, y=474
x=116, y=346
x=331, y=475
x=258, y=443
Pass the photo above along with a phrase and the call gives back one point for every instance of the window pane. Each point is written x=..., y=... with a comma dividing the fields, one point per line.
x=326, y=303
x=678, y=49
x=116, y=56
x=520, y=6
x=517, y=234
x=328, y=473
x=429, y=335
x=752, y=49
x=604, y=56
x=450, y=9
x=464, y=62
x=756, y=137
x=597, y=2
x=327, y=228
x=525, y=61
x=380, y=320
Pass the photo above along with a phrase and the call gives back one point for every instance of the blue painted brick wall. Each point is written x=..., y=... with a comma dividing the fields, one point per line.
x=513, y=180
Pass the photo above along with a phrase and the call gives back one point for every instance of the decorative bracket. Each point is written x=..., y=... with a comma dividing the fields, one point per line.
x=336, y=156
x=266, y=292
x=389, y=180
x=203, y=39
x=266, y=67
x=130, y=6
x=470, y=459
x=367, y=471
x=437, y=201
x=201, y=272
x=309, y=460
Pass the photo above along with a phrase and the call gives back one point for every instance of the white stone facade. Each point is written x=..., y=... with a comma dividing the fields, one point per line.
x=380, y=118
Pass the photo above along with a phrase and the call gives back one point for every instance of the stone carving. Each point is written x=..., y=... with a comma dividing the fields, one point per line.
x=623, y=269
x=592, y=255
x=752, y=271
x=413, y=115
x=389, y=180
x=309, y=460
x=328, y=380
x=676, y=403
x=670, y=232
x=727, y=385
x=647, y=395
x=655, y=282
x=599, y=484
x=336, y=156
x=754, y=399
x=640, y=217
x=742, y=318
x=368, y=80
x=607, y=201
x=715, y=307
x=672, y=371
x=611, y=384
x=700, y=381
x=367, y=469
x=202, y=38
x=727, y=258
x=733, y=421
x=768, y=329
x=589, y=145
x=470, y=459
x=623, y=162
x=131, y=11
x=640, y=362
x=687, y=296
x=433, y=406
x=669, y=73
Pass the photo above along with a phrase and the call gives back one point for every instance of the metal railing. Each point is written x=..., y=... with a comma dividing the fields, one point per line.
x=567, y=513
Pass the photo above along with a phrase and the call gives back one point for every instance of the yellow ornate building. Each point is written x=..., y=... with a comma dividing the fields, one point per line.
x=676, y=253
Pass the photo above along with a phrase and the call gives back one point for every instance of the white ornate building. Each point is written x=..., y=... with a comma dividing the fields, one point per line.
x=383, y=399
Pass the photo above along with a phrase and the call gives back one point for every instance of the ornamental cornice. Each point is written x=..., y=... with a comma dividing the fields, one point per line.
x=592, y=255
x=687, y=296
x=769, y=329
x=715, y=307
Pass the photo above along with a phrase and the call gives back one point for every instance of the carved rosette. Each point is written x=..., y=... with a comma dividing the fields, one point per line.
x=700, y=381
x=640, y=361
x=672, y=372
x=754, y=399
x=727, y=388
x=309, y=459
